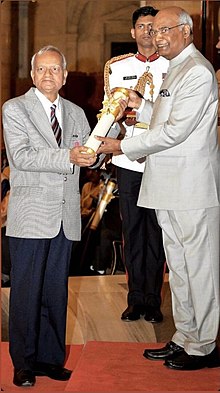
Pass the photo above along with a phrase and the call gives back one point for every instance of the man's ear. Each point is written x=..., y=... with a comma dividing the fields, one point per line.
x=186, y=31
x=32, y=75
x=133, y=33
x=64, y=77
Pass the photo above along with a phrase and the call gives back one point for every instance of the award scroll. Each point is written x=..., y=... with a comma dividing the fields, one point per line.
x=109, y=112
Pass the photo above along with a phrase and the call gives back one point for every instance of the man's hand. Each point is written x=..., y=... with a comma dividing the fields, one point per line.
x=79, y=156
x=109, y=145
x=134, y=99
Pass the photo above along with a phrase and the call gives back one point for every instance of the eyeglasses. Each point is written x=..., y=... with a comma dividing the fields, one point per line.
x=163, y=30
x=55, y=69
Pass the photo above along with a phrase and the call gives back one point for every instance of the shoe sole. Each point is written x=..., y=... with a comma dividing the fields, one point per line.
x=151, y=321
x=44, y=374
x=126, y=319
x=27, y=384
x=132, y=319
x=171, y=356
x=24, y=384
x=211, y=365
x=156, y=359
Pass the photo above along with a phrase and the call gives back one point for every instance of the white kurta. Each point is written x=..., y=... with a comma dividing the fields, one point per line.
x=181, y=181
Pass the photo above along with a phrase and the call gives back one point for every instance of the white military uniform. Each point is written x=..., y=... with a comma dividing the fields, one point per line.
x=125, y=73
x=143, y=247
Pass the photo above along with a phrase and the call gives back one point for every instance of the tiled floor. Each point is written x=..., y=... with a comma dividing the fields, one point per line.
x=94, y=312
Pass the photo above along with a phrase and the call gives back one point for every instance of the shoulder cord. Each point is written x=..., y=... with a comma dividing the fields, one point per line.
x=146, y=78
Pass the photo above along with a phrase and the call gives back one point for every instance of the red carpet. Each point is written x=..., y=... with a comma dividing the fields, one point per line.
x=114, y=367
x=43, y=384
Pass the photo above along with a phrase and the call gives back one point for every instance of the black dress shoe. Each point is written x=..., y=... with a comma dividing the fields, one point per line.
x=132, y=313
x=5, y=284
x=192, y=362
x=153, y=315
x=24, y=378
x=52, y=371
x=170, y=350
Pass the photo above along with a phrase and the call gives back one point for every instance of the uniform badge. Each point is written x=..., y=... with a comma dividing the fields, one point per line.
x=127, y=78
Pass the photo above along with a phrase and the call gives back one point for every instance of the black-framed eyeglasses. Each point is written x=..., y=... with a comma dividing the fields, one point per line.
x=163, y=30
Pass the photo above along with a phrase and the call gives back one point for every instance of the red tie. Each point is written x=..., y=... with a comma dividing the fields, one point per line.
x=55, y=125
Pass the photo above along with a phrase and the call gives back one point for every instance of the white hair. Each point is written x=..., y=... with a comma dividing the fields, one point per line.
x=186, y=19
x=49, y=48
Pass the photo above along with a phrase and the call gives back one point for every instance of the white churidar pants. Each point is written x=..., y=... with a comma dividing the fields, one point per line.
x=191, y=242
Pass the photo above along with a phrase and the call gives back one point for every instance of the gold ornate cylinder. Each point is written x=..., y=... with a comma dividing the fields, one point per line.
x=110, y=110
x=106, y=198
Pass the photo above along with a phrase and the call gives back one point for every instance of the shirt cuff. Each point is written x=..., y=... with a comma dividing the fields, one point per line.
x=71, y=167
x=141, y=107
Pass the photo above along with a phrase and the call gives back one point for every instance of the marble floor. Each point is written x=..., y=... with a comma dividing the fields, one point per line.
x=94, y=312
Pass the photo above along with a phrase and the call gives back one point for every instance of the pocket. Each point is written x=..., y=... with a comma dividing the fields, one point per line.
x=73, y=141
x=171, y=162
x=162, y=110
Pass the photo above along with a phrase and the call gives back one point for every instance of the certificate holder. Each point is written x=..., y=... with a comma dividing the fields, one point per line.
x=109, y=112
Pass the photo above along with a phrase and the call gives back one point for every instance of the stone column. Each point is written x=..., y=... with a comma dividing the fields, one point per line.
x=23, y=40
x=5, y=50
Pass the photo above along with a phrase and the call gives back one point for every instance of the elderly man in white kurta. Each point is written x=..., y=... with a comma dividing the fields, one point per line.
x=181, y=181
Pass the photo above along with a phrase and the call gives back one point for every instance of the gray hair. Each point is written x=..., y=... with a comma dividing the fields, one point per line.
x=186, y=19
x=49, y=48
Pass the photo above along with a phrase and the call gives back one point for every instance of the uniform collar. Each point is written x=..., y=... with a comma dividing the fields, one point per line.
x=143, y=58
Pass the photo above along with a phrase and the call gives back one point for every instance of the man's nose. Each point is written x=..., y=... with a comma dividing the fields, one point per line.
x=48, y=71
x=147, y=28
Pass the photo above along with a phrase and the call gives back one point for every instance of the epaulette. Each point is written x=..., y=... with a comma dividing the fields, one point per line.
x=145, y=79
x=107, y=70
